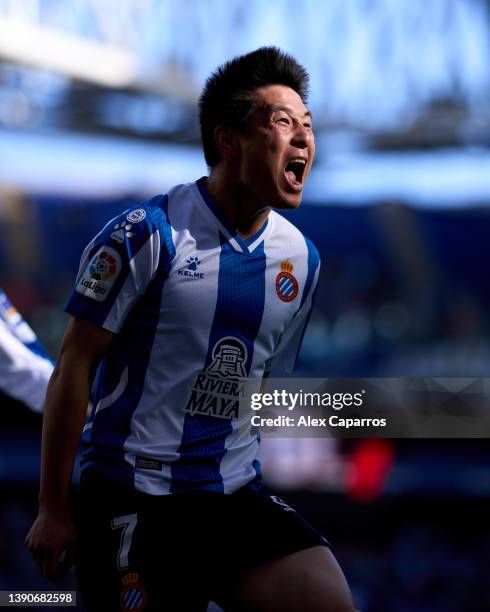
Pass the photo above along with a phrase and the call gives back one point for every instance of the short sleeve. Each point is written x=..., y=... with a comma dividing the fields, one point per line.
x=286, y=353
x=118, y=265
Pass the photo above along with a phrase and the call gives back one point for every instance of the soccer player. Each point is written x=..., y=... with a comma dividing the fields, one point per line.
x=25, y=368
x=176, y=301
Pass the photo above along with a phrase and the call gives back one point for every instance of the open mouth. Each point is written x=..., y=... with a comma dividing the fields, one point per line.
x=294, y=171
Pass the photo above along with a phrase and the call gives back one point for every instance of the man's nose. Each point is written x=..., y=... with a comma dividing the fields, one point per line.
x=301, y=137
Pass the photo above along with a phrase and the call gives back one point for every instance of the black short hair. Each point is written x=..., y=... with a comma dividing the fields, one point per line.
x=227, y=97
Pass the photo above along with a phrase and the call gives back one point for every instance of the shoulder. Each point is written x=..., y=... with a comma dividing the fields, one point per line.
x=155, y=214
x=141, y=229
x=150, y=214
x=172, y=207
x=156, y=210
x=313, y=254
x=288, y=234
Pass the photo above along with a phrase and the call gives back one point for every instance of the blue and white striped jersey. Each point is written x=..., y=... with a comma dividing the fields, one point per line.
x=25, y=368
x=195, y=308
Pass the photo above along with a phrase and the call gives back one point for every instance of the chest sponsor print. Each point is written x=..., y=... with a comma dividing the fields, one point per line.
x=217, y=389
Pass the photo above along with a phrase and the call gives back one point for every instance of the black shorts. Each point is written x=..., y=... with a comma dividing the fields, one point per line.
x=176, y=552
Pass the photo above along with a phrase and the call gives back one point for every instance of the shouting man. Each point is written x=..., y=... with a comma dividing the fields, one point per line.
x=176, y=301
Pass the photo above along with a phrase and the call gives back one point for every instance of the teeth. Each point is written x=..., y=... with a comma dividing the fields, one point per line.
x=297, y=160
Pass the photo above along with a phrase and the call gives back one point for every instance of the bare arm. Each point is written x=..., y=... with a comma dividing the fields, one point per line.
x=65, y=410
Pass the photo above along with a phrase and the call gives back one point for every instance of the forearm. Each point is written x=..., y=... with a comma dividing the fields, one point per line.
x=64, y=416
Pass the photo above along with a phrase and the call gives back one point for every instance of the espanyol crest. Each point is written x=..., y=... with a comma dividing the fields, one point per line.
x=286, y=284
x=133, y=595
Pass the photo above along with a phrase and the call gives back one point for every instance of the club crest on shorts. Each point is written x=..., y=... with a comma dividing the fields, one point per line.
x=100, y=274
x=133, y=595
x=286, y=284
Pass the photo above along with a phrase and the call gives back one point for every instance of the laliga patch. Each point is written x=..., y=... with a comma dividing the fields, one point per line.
x=135, y=216
x=133, y=595
x=100, y=274
x=286, y=284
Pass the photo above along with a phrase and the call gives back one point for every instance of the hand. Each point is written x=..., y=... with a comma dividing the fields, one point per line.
x=51, y=540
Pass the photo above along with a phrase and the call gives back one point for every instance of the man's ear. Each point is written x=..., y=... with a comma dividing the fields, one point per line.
x=227, y=141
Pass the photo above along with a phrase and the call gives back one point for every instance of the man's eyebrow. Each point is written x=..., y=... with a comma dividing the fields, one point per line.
x=289, y=110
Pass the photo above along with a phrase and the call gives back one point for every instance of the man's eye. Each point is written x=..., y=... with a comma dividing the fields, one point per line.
x=284, y=120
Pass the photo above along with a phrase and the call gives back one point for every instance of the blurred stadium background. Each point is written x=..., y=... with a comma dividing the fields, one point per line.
x=98, y=109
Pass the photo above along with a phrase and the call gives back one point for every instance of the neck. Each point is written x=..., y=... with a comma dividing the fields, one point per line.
x=240, y=206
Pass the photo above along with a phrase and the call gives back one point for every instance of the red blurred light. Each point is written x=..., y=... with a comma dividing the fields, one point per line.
x=368, y=469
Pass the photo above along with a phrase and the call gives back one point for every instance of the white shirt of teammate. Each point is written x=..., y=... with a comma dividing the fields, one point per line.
x=25, y=369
